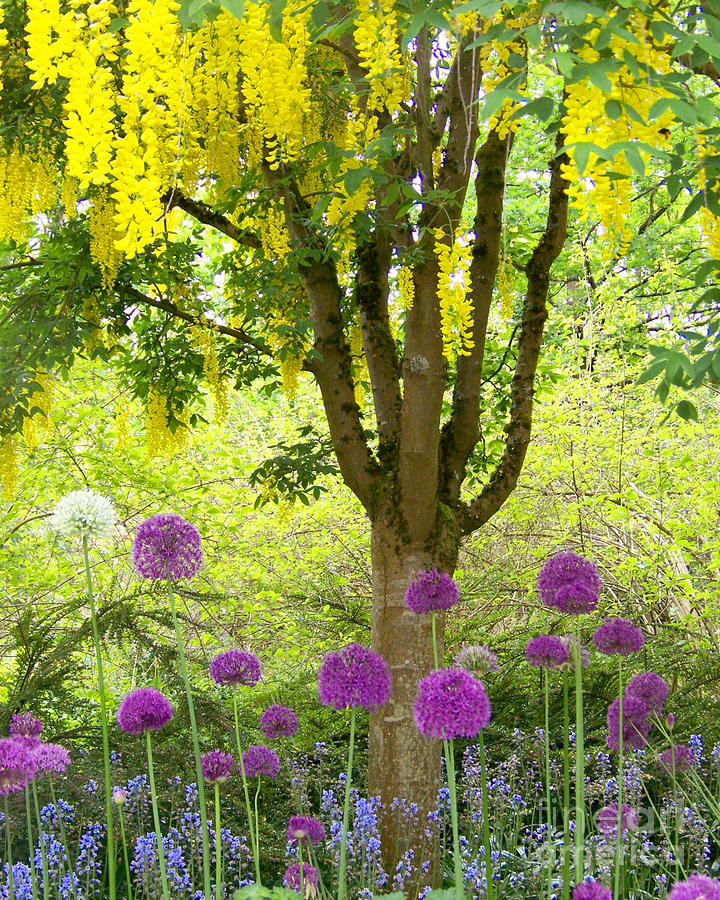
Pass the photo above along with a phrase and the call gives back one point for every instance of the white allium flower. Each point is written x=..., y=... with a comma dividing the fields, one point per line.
x=83, y=514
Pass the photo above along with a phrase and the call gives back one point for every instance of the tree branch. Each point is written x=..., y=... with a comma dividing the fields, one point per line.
x=504, y=478
x=207, y=216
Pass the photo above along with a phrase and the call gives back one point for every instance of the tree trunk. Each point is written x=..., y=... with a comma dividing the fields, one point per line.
x=403, y=763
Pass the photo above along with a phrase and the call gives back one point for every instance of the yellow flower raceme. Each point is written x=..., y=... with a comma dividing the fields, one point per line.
x=8, y=466
x=377, y=40
x=103, y=238
x=456, y=307
x=406, y=286
x=3, y=41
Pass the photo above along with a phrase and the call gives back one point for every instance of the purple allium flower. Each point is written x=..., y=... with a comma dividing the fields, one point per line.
x=635, y=724
x=144, y=709
x=670, y=721
x=216, y=766
x=591, y=890
x=430, y=591
x=569, y=583
x=607, y=820
x=451, y=703
x=697, y=887
x=260, y=760
x=167, y=547
x=546, y=650
x=119, y=796
x=618, y=636
x=236, y=667
x=305, y=829
x=51, y=758
x=678, y=758
x=649, y=687
x=569, y=641
x=17, y=765
x=478, y=659
x=26, y=727
x=278, y=722
x=291, y=878
x=354, y=676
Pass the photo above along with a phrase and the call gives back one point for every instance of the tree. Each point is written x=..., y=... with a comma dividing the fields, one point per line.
x=216, y=194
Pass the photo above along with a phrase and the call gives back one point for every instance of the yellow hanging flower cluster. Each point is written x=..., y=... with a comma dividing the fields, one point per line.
x=377, y=40
x=709, y=222
x=3, y=40
x=504, y=288
x=291, y=355
x=406, y=286
x=273, y=233
x=456, y=307
x=206, y=339
x=274, y=85
x=8, y=466
x=91, y=314
x=51, y=36
x=103, y=238
x=40, y=423
x=359, y=363
x=159, y=438
x=27, y=184
x=586, y=119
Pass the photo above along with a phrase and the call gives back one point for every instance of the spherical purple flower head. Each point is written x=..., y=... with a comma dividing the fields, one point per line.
x=144, y=709
x=635, y=724
x=51, y=758
x=216, y=766
x=236, y=667
x=618, y=636
x=591, y=890
x=569, y=583
x=607, y=820
x=354, y=676
x=677, y=759
x=26, y=727
x=291, y=878
x=546, y=650
x=167, y=547
x=305, y=829
x=649, y=687
x=478, y=659
x=278, y=722
x=697, y=887
x=17, y=765
x=431, y=591
x=451, y=703
x=260, y=760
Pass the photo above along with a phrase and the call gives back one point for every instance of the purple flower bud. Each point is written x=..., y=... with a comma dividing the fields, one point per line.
x=478, y=659
x=569, y=583
x=278, y=722
x=677, y=759
x=355, y=676
x=119, y=796
x=305, y=829
x=451, y=703
x=260, y=760
x=547, y=651
x=167, y=547
x=618, y=636
x=670, y=721
x=236, y=667
x=216, y=766
x=431, y=591
x=144, y=709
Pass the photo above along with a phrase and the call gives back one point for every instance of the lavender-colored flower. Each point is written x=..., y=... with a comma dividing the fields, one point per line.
x=649, y=687
x=236, y=667
x=697, y=887
x=26, y=727
x=260, y=760
x=635, y=724
x=678, y=759
x=216, y=766
x=569, y=583
x=17, y=765
x=305, y=829
x=546, y=650
x=167, y=547
x=119, y=796
x=451, y=703
x=618, y=636
x=144, y=709
x=607, y=820
x=431, y=591
x=591, y=890
x=291, y=879
x=53, y=758
x=354, y=676
x=670, y=721
x=478, y=659
x=278, y=722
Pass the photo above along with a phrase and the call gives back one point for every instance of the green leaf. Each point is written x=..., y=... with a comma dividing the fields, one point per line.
x=542, y=108
x=686, y=410
x=632, y=155
x=614, y=109
x=234, y=7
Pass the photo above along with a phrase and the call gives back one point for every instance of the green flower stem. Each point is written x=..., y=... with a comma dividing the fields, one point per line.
x=302, y=874
x=486, y=820
x=156, y=819
x=196, y=745
x=434, y=640
x=72, y=874
x=621, y=778
x=566, y=788
x=257, y=818
x=251, y=826
x=457, y=865
x=677, y=818
x=112, y=891
x=43, y=848
x=579, y=764
x=8, y=853
x=125, y=854
x=342, y=885
x=548, y=797
x=33, y=873
x=218, y=846
x=660, y=821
